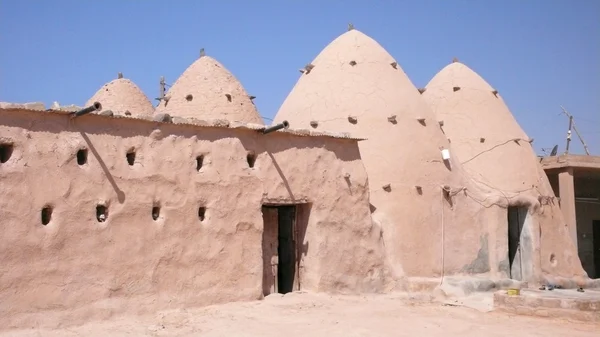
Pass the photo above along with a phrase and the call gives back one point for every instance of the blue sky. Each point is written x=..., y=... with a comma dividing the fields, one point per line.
x=538, y=54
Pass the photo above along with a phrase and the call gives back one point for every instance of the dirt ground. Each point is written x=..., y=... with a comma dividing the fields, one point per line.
x=324, y=315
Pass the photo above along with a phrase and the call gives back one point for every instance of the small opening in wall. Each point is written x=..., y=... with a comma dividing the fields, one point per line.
x=155, y=212
x=199, y=162
x=553, y=259
x=101, y=213
x=46, y=215
x=82, y=155
x=251, y=158
x=6, y=151
x=189, y=98
x=131, y=156
x=201, y=213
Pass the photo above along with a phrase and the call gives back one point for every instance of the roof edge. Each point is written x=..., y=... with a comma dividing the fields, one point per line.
x=190, y=122
x=570, y=160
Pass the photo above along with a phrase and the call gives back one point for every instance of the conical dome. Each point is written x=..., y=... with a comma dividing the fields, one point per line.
x=482, y=129
x=207, y=90
x=123, y=97
x=493, y=149
x=354, y=85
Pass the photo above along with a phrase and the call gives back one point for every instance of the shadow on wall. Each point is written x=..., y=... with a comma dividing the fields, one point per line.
x=113, y=183
x=282, y=175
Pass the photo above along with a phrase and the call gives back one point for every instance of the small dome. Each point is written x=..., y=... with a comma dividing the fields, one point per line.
x=482, y=128
x=207, y=90
x=123, y=97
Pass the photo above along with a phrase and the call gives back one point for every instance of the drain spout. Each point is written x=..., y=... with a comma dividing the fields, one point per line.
x=94, y=107
x=283, y=125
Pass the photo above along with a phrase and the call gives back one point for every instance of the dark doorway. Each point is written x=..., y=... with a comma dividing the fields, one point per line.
x=596, y=245
x=279, y=249
x=516, y=220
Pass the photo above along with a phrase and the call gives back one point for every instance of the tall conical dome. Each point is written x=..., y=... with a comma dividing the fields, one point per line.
x=354, y=85
x=123, y=97
x=207, y=90
x=493, y=148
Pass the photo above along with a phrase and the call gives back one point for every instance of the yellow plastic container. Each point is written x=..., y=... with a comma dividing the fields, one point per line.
x=513, y=292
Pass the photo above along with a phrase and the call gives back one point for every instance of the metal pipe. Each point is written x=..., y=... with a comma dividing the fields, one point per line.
x=91, y=108
x=282, y=125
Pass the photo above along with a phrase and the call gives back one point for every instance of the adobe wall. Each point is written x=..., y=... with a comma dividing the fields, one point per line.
x=76, y=268
x=586, y=213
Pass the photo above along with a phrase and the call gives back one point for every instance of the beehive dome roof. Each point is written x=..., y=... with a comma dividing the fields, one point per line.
x=207, y=90
x=122, y=96
x=482, y=129
x=354, y=85
x=354, y=76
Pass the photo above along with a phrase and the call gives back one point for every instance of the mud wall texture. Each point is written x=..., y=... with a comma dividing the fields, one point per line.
x=177, y=224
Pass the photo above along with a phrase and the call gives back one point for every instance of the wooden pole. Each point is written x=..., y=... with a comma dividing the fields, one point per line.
x=161, y=90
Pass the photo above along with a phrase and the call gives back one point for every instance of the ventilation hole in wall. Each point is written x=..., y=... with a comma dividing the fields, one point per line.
x=6, y=150
x=46, y=215
x=189, y=98
x=201, y=213
x=199, y=162
x=131, y=156
x=228, y=97
x=447, y=196
x=372, y=208
x=553, y=259
x=101, y=213
x=419, y=189
x=251, y=158
x=353, y=63
x=155, y=212
x=82, y=156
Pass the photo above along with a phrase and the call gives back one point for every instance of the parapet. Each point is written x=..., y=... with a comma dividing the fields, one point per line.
x=167, y=119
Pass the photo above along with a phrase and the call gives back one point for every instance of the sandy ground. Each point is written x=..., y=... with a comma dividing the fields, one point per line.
x=323, y=315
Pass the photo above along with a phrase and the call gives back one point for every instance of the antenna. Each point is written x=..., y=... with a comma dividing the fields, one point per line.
x=572, y=126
